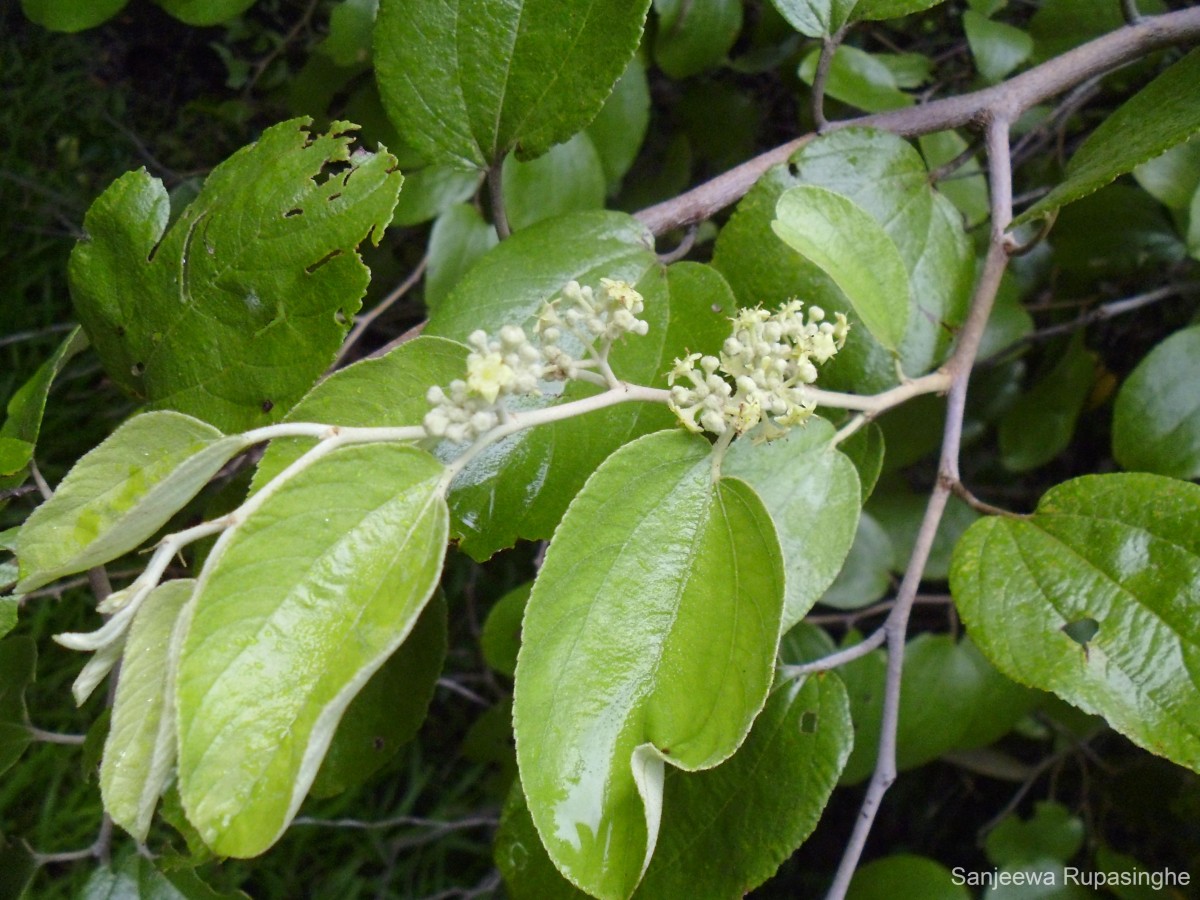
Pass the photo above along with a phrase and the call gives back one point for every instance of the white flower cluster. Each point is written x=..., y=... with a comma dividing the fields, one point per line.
x=512, y=365
x=761, y=373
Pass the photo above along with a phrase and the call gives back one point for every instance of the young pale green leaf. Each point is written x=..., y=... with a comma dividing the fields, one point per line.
x=351, y=23
x=121, y=493
x=18, y=664
x=500, y=639
x=801, y=737
x=390, y=708
x=1161, y=115
x=71, y=15
x=619, y=128
x=857, y=78
x=1040, y=425
x=458, y=238
x=905, y=877
x=998, y=48
x=813, y=494
x=1174, y=177
x=875, y=10
x=205, y=12
x=885, y=176
x=655, y=620
x=234, y=311
x=567, y=178
x=1156, y=422
x=387, y=392
x=521, y=75
x=815, y=18
x=296, y=608
x=852, y=249
x=1093, y=597
x=520, y=487
x=695, y=35
x=26, y=407
x=139, y=754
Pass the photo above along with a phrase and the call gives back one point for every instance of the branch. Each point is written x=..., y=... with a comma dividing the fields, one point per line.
x=365, y=321
x=828, y=48
x=1009, y=98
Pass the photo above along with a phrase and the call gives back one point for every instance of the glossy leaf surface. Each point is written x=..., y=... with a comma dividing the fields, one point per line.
x=139, y=754
x=1161, y=115
x=853, y=249
x=812, y=492
x=296, y=608
x=234, y=311
x=1119, y=555
x=1156, y=422
x=656, y=620
x=521, y=75
x=120, y=494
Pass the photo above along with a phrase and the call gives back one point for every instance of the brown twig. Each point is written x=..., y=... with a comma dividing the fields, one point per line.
x=368, y=319
x=829, y=46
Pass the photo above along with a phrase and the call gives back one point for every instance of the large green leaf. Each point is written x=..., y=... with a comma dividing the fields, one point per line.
x=694, y=35
x=120, y=494
x=139, y=754
x=390, y=708
x=1161, y=115
x=18, y=664
x=466, y=82
x=655, y=620
x=906, y=877
x=858, y=78
x=567, y=178
x=1156, y=422
x=71, y=15
x=234, y=311
x=1093, y=597
x=812, y=492
x=885, y=176
x=520, y=487
x=853, y=249
x=619, y=128
x=801, y=738
x=388, y=392
x=458, y=238
x=295, y=609
x=205, y=12
x=26, y=407
x=815, y=18
x=997, y=47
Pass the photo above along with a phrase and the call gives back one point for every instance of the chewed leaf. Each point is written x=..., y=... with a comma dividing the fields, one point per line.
x=235, y=310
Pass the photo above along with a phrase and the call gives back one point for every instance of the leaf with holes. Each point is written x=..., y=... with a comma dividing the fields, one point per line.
x=296, y=608
x=1093, y=597
x=232, y=312
x=655, y=620
x=521, y=75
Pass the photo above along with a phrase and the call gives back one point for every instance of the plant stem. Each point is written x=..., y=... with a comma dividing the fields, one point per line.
x=829, y=47
x=365, y=321
x=496, y=193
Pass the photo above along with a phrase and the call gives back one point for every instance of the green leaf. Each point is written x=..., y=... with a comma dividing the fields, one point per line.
x=430, y=190
x=205, y=12
x=813, y=495
x=9, y=607
x=885, y=176
x=1050, y=833
x=906, y=877
x=233, y=312
x=520, y=487
x=1040, y=425
x=295, y=609
x=521, y=75
x=998, y=48
x=458, y=238
x=966, y=188
x=350, y=25
x=857, y=78
x=865, y=448
x=1059, y=25
x=1174, y=177
x=1156, y=421
x=1161, y=115
x=501, y=636
x=137, y=878
x=567, y=178
x=619, y=128
x=874, y=10
x=17, y=868
x=852, y=249
x=656, y=621
x=1138, y=236
x=864, y=576
x=695, y=35
x=121, y=493
x=1118, y=552
x=802, y=738
x=815, y=18
x=71, y=15
x=389, y=710
x=387, y=392
x=26, y=407
x=899, y=513
x=139, y=754
x=18, y=664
